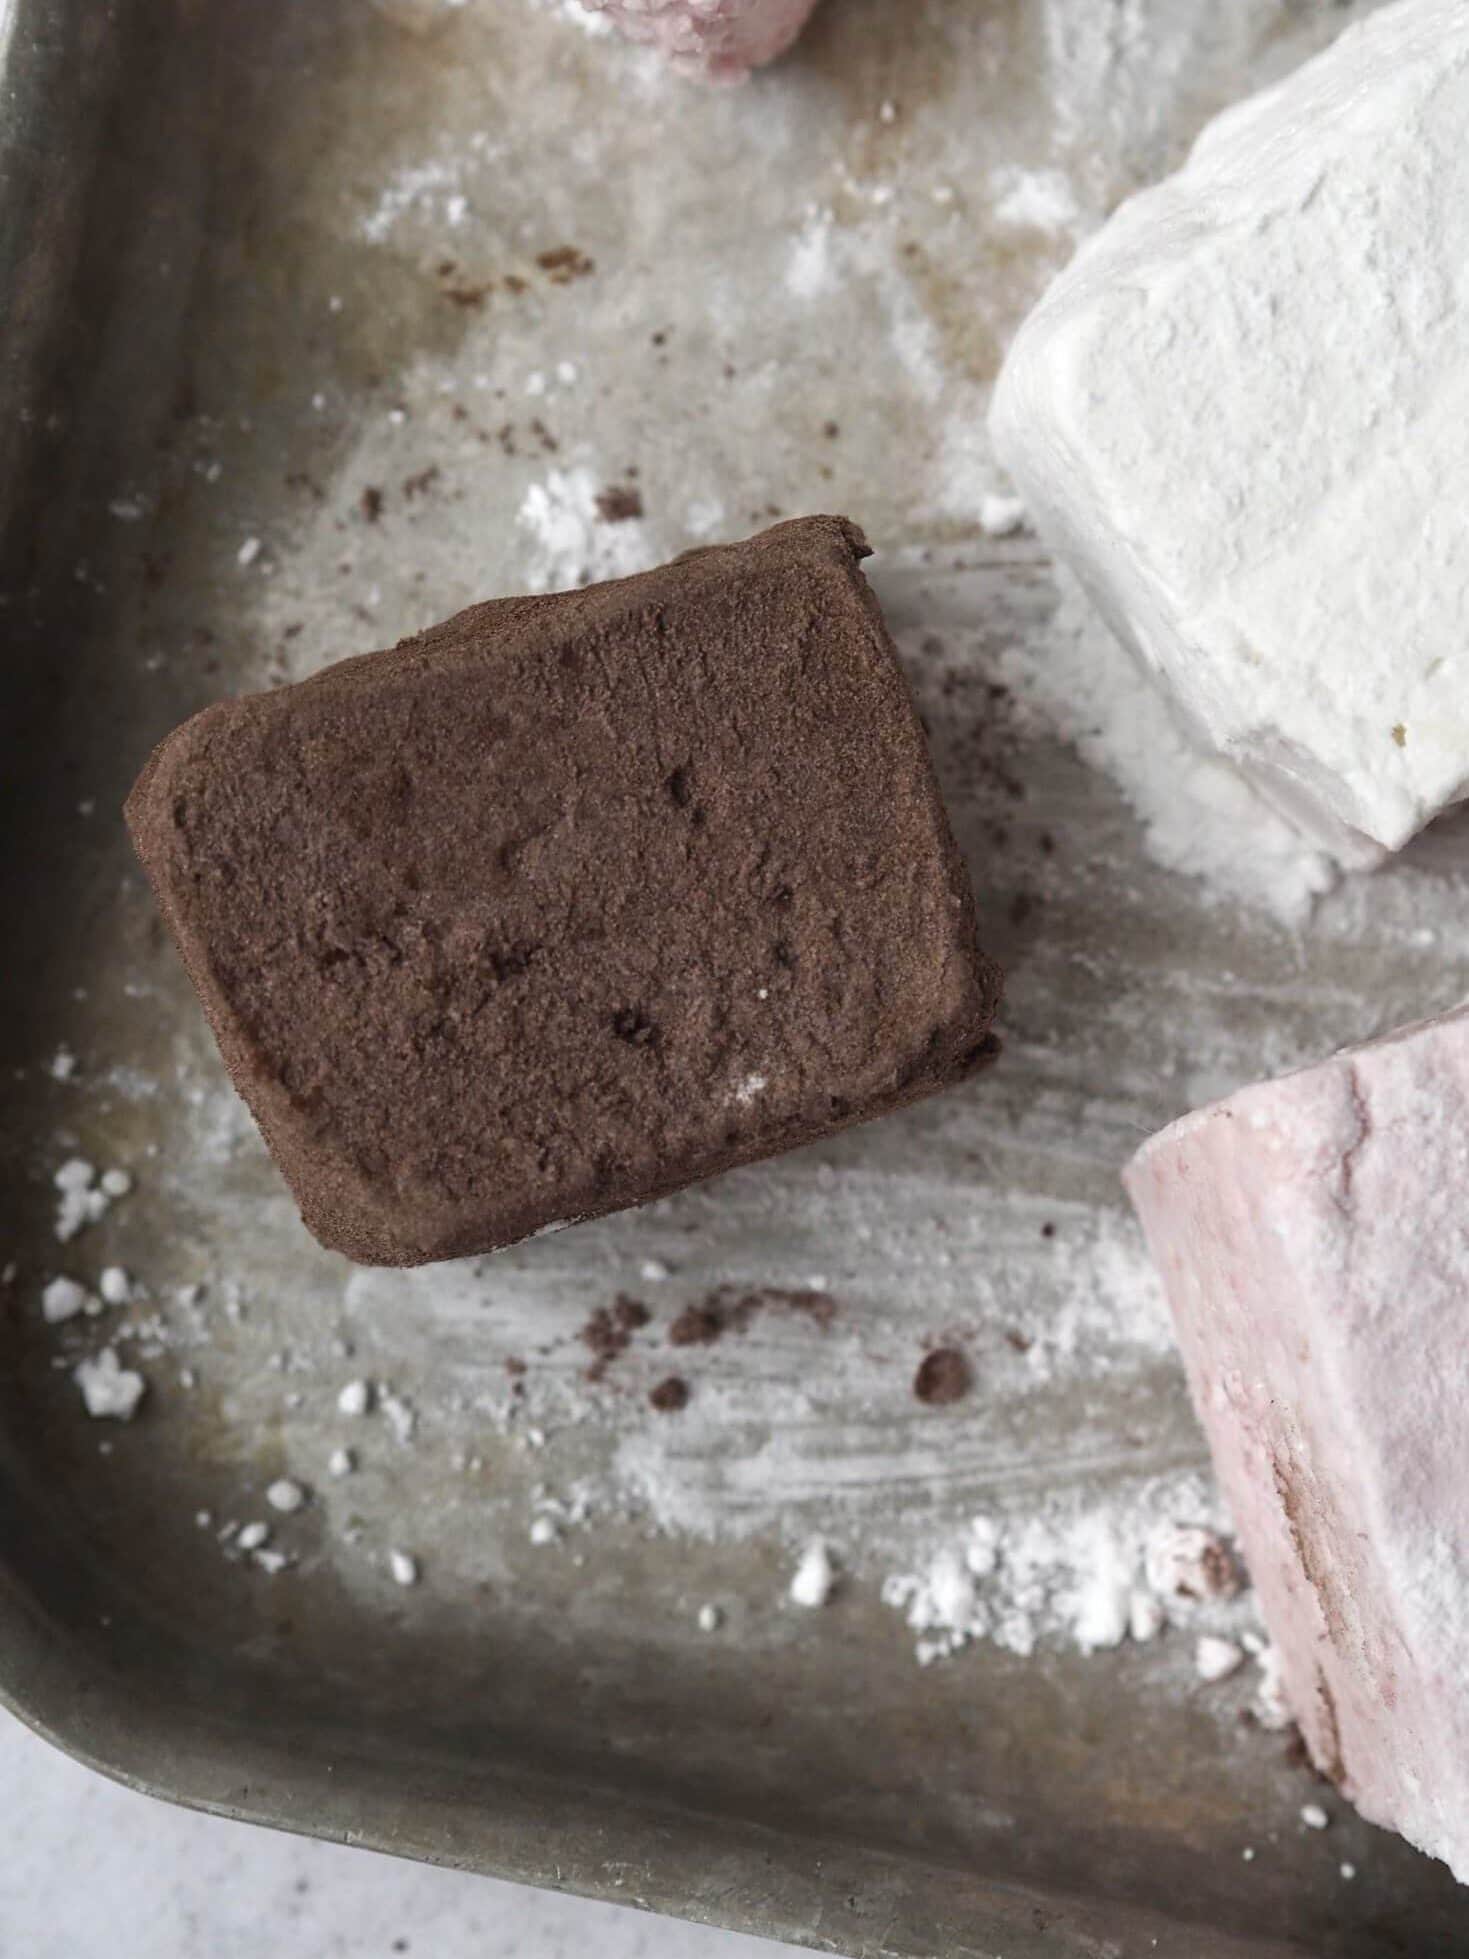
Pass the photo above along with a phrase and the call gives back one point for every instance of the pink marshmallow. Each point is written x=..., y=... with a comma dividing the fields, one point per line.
x=715, y=40
x=1313, y=1237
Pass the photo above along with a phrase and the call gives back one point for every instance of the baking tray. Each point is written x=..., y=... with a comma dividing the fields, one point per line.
x=321, y=320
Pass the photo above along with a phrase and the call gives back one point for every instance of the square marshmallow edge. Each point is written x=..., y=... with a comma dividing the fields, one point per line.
x=1240, y=415
x=1313, y=1241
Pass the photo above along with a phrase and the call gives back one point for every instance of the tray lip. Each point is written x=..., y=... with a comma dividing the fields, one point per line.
x=746, y=1895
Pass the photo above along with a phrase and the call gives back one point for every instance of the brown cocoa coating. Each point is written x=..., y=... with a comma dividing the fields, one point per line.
x=573, y=900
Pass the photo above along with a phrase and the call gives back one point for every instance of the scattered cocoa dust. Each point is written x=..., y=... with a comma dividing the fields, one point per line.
x=728, y=1310
x=609, y=1331
x=620, y=504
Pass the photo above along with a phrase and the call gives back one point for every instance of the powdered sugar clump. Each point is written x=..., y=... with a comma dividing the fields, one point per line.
x=109, y=1390
x=1216, y=1658
x=83, y=1198
x=1064, y=1570
x=62, y=1299
x=815, y=1576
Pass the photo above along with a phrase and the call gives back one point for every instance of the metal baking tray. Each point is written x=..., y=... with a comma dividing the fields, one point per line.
x=320, y=320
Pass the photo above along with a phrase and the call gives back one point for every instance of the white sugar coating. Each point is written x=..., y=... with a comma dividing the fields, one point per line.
x=710, y=1618
x=1265, y=511
x=272, y=1563
x=63, y=1065
x=250, y=1537
x=1216, y=1659
x=115, y=1285
x=815, y=1576
x=403, y=1568
x=653, y=1271
x=1315, y=1247
x=341, y=1462
x=1314, y=1816
x=116, y=1183
x=75, y=1174
x=62, y=1299
x=544, y=1530
x=110, y=1391
x=285, y=1495
x=1348, y=1871
x=248, y=552
x=355, y=1398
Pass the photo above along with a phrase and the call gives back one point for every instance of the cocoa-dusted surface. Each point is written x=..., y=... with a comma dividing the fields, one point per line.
x=573, y=900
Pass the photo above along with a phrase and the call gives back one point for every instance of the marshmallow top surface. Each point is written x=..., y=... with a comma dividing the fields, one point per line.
x=1240, y=413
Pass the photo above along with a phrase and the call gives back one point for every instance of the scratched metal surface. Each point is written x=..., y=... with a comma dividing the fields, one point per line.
x=260, y=259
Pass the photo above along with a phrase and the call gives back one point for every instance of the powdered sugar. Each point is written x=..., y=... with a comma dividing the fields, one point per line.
x=1067, y=1569
x=1196, y=810
x=429, y=190
x=1217, y=1659
x=354, y=1398
x=815, y=1576
x=62, y=1299
x=109, y=1390
x=1039, y=200
x=570, y=542
x=83, y=1198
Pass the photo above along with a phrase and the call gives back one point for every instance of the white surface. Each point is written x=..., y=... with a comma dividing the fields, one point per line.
x=92, y=1871
x=1239, y=414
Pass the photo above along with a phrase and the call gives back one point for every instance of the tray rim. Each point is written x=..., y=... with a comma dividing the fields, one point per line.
x=529, y=1826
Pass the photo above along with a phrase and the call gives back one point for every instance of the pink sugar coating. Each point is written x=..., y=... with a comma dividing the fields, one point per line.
x=1313, y=1238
